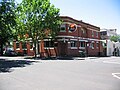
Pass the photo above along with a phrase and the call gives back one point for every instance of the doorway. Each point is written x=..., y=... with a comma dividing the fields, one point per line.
x=63, y=48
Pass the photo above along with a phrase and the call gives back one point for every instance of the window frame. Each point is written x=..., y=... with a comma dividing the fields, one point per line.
x=49, y=44
x=73, y=45
x=97, y=45
x=82, y=42
x=24, y=44
x=17, y=46
x=97, y=34
x=92, y=33
x=92, y=45
x=31, y=45
x=83, y=31
x=63, y=26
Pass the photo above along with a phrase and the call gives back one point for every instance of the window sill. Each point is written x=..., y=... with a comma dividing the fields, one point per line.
x=62, y=31
x=92, y=47
x=73, y=47
x=17, y=48
x=81, y=47
x=31, y=49
x=24, y=49
x=49, y=47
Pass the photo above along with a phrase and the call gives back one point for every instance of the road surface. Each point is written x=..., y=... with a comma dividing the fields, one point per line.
x=89, y=74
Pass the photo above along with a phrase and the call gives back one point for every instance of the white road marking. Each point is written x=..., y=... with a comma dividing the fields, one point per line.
x=115, y=75
x=111, y=62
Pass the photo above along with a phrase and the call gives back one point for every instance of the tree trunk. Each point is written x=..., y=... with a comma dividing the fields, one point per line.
x=35, y=49
x=1, y=47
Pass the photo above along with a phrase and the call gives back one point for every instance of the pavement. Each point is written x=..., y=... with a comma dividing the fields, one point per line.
x=17, y=73
x=51, y=58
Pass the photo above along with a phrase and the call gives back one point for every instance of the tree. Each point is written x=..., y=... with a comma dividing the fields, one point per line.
x=39, y=17
x=7, y=21
x=115, y=38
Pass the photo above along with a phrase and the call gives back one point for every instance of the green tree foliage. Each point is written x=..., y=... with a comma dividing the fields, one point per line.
x=115, y=38
x=20, y=29
x=35, y=17
x=7, y=21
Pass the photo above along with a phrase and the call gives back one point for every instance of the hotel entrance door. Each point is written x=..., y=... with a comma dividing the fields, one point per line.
x=63, y=49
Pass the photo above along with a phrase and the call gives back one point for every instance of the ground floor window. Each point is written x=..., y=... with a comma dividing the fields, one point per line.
x=31, y=45
x=92, y=45
x=17, y=45
x=48, y=44
x=97, y=45
x=73, y=44
x=82, y=44
x=24, y=45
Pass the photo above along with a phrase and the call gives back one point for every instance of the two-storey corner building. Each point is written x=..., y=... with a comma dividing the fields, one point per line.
x=77, y=36
x=74, y=37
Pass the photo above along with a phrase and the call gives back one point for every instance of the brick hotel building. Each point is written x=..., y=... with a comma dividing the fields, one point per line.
x=74, y=37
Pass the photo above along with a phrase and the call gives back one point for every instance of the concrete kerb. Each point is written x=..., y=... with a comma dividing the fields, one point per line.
x=79, y=58
x=85, y=58
x=31, y=58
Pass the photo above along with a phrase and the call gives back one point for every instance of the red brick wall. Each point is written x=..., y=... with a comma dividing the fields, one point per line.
x=93, y=52
x=77, y=34
x=46, y=52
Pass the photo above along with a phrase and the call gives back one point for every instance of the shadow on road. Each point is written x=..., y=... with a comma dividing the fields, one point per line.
x=51, y=58
x=6, y=65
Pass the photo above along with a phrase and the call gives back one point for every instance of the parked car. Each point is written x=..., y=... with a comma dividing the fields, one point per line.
x=10, y=52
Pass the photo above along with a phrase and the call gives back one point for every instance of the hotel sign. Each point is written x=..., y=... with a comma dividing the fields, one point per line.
x=72, y=27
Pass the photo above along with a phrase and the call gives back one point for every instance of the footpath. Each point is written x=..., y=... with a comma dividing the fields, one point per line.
x=62, y=58
x=50, y=58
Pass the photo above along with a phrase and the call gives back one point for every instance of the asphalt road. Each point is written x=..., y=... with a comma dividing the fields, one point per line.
x=88, y=74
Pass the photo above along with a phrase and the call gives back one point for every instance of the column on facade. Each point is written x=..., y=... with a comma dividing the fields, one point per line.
x=20, y=46
x=14, y=45
x=42, y=51
x=28, y=47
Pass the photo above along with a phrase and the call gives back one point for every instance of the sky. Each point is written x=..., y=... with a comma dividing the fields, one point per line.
x=101, y=13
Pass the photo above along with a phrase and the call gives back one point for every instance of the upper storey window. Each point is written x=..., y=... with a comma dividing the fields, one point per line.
x=83, y=31
x=96, y=34
x=92, y=33
x=63, y=28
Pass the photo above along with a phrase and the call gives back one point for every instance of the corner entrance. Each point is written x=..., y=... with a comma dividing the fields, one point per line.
x=62, y=48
